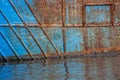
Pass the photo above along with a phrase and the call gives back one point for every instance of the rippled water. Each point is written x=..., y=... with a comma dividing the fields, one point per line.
x=100, y=68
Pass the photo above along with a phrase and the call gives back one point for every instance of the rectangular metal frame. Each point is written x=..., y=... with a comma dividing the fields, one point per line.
x=111, y=5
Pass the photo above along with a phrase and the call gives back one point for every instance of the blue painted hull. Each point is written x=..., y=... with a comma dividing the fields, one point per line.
x=17, y=41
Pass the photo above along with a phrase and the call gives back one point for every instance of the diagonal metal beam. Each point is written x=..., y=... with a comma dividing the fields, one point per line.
x=10, y=45
x=27, y=27
x=4, y=57
x=33, y=12
x=29, y=53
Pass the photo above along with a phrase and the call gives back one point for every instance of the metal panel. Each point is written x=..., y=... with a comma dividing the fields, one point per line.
x=53, y=7
x=98, y=14
x=7, y=9
x=13, y=40
x=56, y=37
x=5, y=47
x=24, y=11
x=58, y=27
x=74, y=40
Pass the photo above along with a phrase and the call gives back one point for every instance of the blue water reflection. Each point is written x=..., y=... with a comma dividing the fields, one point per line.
x=100, y=68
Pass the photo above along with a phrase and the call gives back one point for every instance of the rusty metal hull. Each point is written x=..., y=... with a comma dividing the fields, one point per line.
x=60, y=28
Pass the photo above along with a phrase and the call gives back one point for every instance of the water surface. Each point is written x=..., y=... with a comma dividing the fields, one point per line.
x=90, y=68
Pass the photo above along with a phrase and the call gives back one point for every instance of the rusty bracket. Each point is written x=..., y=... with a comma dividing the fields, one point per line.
x=29, y=53
x=42, y=28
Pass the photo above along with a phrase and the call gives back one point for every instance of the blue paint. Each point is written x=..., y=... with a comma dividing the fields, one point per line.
x=24, y=11
x=2, y=20
x=10, y=13
x=91, y=37
x=13, y=40
x=46, y=46
x=74, y=40
x=5, y=48
x=70, y=1
x=73, y=14
x=67, y=15
x=100, y=68
x=31, y=2
x=97, y=14
x=74, y=36
x=28, y=40
x=106, y=40
x=2, y=54
x=55, y=34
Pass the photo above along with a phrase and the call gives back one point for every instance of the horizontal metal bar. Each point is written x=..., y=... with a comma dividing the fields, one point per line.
x=116, y=24
x=43, y=25
x=98, y=24
x=60, y=25
x=10, y=45
x=19, y=25
x=97, y=3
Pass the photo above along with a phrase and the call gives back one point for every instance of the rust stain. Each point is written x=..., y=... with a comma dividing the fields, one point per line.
x=72, y=13
x=100, y=50
x=52, y=12
x=49, y=11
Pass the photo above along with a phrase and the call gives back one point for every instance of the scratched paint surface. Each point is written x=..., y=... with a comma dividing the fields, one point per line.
x=68, y=26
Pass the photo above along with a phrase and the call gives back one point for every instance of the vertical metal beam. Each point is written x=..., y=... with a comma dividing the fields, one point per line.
x=112, y=28
x=63, y=27
x=11, y=47
x=112, y=11
x=4, y=58
x=27, y=27
x=17, y=36
x=42, y=28
x=83, y=25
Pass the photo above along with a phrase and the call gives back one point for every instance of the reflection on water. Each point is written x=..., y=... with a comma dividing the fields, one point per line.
x=100, y=68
